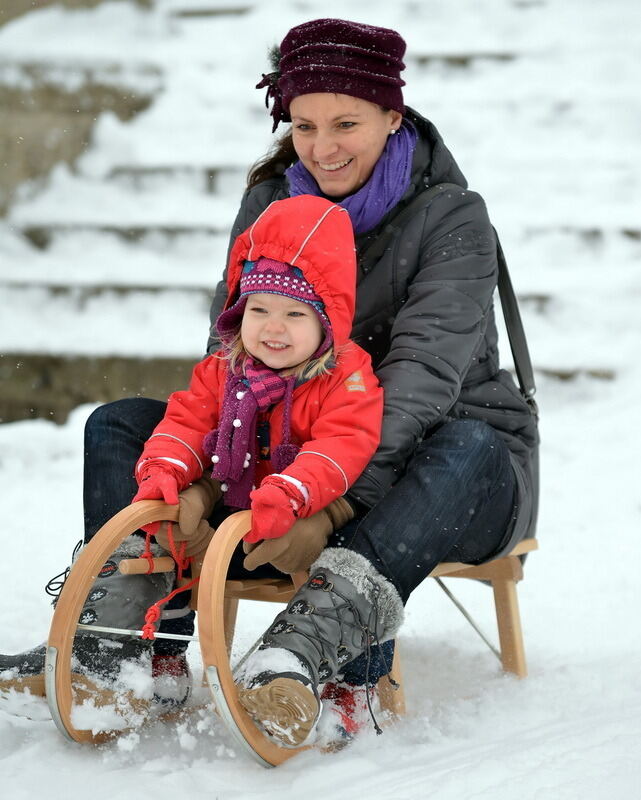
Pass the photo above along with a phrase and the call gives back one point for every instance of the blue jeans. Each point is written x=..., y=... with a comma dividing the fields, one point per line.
x=115, y=435
x=455, y=502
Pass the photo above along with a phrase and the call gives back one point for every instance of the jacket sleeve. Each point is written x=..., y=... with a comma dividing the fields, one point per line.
x=190, y=415
x=435, y=333
x=343, y=437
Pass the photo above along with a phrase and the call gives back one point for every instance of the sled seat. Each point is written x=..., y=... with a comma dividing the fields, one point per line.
x=503, y=574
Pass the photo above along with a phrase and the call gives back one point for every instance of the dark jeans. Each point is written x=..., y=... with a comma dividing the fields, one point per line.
x=454, y=503
x=115, y=434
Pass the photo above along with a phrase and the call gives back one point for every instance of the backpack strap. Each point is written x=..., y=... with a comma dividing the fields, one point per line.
x=513, y=323
x=515, y=331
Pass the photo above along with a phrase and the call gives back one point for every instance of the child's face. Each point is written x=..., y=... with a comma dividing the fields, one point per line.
x=279, y=331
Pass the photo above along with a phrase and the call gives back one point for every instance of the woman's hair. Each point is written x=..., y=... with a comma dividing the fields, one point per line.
x=234, y=351
x=274, y=163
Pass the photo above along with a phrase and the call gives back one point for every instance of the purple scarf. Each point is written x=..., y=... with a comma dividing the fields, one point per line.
x=385, y=187
x=233, y=446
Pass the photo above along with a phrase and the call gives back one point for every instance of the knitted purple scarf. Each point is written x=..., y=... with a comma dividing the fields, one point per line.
x=233, y=446
x=385, y=187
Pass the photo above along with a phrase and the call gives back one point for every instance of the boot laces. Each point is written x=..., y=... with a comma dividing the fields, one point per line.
x=368, y=683
x=369, y=635
x=54, y=585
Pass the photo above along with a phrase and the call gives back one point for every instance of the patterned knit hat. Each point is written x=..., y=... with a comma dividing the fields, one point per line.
x=273, y=277
x=336, y=55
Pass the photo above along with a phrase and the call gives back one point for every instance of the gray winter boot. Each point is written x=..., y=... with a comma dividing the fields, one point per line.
x=111, y=664
x=115, y=600
x=344, y=608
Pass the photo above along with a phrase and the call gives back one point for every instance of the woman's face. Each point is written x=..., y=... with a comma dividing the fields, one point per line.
x=339, y=139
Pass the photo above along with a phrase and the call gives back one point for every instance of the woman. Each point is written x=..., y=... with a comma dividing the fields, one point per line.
x=454, y=475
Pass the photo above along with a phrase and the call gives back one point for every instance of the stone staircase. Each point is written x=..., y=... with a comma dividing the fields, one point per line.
x=138, y=139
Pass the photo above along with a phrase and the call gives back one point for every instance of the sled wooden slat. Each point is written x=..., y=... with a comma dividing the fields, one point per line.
x=140, y=566
x=276, y=591
x=453, y=568
x=503, y=574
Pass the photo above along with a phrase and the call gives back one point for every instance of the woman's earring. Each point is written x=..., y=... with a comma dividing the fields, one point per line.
x=392, y=131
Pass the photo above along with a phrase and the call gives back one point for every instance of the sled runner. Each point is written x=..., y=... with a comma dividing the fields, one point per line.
x=217, y=600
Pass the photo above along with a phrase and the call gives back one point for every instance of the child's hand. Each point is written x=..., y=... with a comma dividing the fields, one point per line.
x=274, y=506
x=159, y=480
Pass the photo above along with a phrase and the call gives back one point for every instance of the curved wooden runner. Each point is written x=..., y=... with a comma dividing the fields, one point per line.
x=211, y=631
x=72, y=598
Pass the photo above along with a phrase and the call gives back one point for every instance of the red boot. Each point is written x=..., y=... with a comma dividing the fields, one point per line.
x=172, y=680
x=345, y=714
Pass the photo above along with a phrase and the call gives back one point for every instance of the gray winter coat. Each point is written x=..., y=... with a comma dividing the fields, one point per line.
x=424, y=312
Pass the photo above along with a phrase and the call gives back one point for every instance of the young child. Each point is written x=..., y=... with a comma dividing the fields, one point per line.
x=288, y=411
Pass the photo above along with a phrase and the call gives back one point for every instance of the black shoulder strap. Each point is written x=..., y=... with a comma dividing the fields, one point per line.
x=511, y=313
x=514, y=327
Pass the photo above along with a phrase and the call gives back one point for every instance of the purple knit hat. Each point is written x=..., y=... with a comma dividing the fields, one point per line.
x=273, y=277
x=335, y=55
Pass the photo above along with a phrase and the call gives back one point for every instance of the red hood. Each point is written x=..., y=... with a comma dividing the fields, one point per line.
x=316, y=236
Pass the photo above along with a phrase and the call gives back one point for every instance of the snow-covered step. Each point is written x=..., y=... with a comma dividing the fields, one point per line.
x=50, y=108
x=96, y=82
x=567, y=375
x=93, y=203
x=45, y=235
x=461, y=59
x=86, y=258
x=98, y=207
x=199, y=11
x=214, y=179
x=141, y=322
x=42, y=236
x=160, y=323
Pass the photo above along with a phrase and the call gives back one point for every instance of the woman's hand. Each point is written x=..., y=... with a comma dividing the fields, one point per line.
x=195, y=505
x=297, y=550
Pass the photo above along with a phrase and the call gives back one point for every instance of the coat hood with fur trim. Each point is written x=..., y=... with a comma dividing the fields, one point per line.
x=316, y=236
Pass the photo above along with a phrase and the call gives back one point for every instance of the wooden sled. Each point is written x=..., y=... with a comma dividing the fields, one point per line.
x=217, y=604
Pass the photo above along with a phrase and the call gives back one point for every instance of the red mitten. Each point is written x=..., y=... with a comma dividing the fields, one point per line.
x=159, y=480
x=275, y=506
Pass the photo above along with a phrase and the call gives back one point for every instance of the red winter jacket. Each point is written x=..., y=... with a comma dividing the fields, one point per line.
x=336, y=418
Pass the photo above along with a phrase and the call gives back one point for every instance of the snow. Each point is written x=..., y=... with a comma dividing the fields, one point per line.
x=550, y=138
